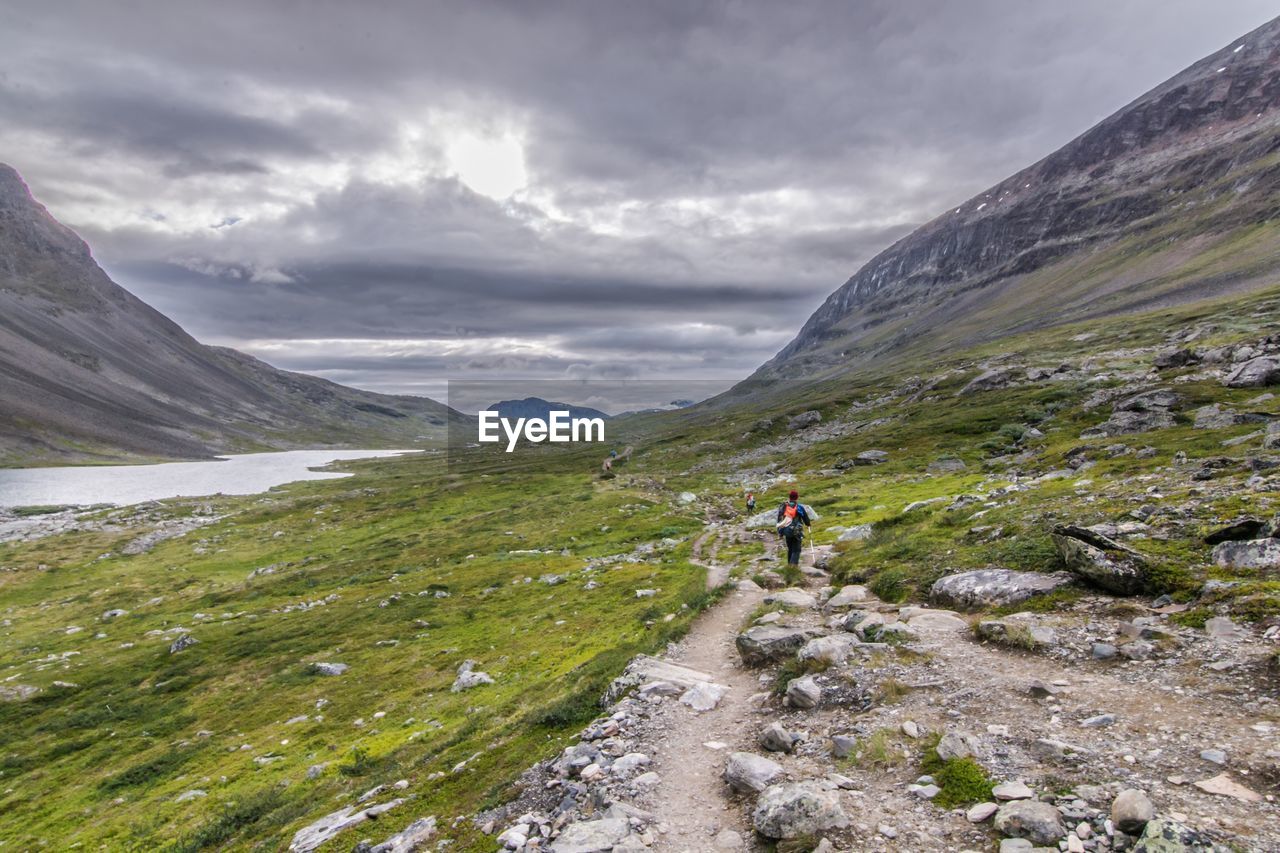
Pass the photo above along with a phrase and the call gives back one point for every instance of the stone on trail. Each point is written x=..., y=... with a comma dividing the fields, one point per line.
x=981, y=812
x=803, y=693
x=775, y=738
x=1017, y=631
x=848, y=596
x=833, y=650
x=747, y=772
x=938, y=621
x=629, y=763
x=977, y=590
x=1131, y=810
x=1039, y=823
x=765, y=643
x=687, y=497
x=1012, y=791
x=797, y=809
x=1101, y=561
x=704, y=695
x=792, y=597
x=654, y=675
x=1222, y=628
x=591, y=836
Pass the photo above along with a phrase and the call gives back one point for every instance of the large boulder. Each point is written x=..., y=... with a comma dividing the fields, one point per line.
x=1019, y=631
x=798, y=809
x=984, y=588
x=792, y=597
x=651, y=674
x=592, y=836
x=1260, y=554
x=804, y=420
x=765, y=643
x=1158, y=399
x=1101, y=561
x=1254, y=373
x=989, y=380
x=1238, y=530
x=1039, y=823
x=748, y=773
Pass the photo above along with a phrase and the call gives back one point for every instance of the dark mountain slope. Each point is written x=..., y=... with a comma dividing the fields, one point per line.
x=1171, y=199
x=88, y=370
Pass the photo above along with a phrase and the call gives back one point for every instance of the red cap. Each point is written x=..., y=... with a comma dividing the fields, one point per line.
x=794, y=494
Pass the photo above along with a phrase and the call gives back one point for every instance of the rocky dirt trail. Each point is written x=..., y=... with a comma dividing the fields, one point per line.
x=836, y=721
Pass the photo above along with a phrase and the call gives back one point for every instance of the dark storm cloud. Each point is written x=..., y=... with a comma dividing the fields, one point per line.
x=696, y=176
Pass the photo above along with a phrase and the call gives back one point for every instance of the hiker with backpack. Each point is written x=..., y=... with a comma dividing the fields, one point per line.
x=792, y=520
x=751, y=502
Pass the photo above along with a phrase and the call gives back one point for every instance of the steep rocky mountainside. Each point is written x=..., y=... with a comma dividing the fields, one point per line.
x=1169, y=200
x=89, y=370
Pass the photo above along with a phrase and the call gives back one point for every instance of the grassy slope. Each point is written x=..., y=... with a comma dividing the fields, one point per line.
x=102, y=763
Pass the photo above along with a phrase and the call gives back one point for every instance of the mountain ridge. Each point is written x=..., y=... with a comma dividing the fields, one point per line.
x=1181, y=171
x=92, y=372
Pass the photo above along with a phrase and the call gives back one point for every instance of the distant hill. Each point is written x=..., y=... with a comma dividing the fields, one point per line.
x=88, y=371
x=1172, y=199
x=536, y=407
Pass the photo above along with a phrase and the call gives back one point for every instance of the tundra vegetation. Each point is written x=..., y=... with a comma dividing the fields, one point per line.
x=529, y=565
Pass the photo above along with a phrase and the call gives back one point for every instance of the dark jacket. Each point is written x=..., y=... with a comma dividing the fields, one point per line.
x=801, y=512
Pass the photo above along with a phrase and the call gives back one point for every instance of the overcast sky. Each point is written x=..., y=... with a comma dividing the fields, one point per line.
x=393, y=194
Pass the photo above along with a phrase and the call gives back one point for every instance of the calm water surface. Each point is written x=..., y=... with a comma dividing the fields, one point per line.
x=243, y=474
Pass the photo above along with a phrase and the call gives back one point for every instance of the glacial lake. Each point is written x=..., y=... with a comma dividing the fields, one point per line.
x=241, y=474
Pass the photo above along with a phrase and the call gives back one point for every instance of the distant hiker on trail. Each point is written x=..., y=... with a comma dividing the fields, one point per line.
x=792, y=520
x=751, y=502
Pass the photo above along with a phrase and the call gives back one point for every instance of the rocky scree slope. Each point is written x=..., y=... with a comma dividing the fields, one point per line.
x=88, y=370
x=1169, y=200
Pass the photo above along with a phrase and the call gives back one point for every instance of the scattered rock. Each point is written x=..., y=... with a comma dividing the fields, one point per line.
x=981, y=812
x=797, y=809
x=1019, y=631
x=747, y=772
x=1039, y=823
x=1254, y=373
x=989, y=380
x=184, y=641
x=1167, y=836
x=1131, y=810
x=469, y=677
x=1260, y=554
x=847, y=597
x=804, y=420
x=833, y=650
x=803, y=692
x=329, y=668
x=704, y=695
x=1007, y=791
x=1224, y=786
x=410, y=839
x=314, y=835
x=591, y=836
x=956, y=745
x=775, y=738
x=765, y=643
x=792, y=597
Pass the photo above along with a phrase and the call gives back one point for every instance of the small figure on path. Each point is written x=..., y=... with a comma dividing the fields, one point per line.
x=792, y=521
x=751, y=502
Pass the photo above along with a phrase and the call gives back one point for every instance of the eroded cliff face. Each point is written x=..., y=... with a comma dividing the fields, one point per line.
x=1133, y=211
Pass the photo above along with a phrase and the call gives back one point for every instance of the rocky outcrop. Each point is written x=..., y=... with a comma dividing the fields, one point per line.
x=765, y=643
x=1101, y=561
x=984, y=588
